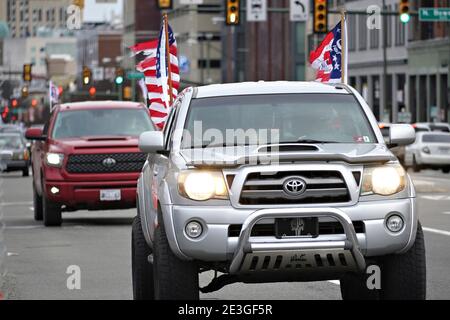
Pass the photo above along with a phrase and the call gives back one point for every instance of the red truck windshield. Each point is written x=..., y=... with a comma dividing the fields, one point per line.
x=101, y=122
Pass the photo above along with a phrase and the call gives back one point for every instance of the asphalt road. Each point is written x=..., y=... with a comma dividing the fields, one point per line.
x=37, y=258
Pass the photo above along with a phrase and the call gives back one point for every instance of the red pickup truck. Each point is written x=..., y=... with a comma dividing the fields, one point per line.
x=87, y=157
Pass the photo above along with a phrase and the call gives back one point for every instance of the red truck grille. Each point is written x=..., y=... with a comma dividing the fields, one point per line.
x=106, y=163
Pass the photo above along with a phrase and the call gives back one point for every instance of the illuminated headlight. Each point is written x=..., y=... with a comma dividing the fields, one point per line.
x=54, y=159
x=202, y=185
x=384, y=180
x=394, y=223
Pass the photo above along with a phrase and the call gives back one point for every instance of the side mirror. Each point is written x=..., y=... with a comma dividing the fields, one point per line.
x=401, y=135
x=35, y=134
x=151, y=142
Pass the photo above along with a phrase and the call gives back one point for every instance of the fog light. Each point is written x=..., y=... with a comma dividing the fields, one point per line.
x=194, y=229
x=54, y=190
x=394, y=223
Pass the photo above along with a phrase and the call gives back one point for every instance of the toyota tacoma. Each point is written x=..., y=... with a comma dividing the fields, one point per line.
x=275, y=182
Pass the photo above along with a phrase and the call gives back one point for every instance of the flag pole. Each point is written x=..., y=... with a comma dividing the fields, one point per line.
x=344, y=48
x=166, y=30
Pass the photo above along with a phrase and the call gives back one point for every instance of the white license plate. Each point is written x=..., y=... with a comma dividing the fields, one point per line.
x=110, y=195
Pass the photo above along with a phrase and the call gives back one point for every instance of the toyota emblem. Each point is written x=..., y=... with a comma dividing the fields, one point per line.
x=109, y=162
x=294, y=186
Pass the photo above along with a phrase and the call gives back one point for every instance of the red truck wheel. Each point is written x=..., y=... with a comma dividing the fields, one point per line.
x=51, y=213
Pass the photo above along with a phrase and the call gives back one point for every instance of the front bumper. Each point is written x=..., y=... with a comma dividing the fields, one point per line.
x=215, y=244
x=13, y=165
x=86, y=195
x=434, y=159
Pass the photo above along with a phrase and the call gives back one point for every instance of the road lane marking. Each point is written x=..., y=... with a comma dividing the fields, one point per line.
x=446, y=212
x=23, y=227
x=435, y=197
x=12, y=204
x=437, y=231
x=336, y=282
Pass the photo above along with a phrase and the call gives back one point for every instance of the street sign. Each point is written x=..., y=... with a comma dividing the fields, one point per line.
x=98, y=73
x=256, y=10
x=299, y=10
x=434, y=14
x=134, y=75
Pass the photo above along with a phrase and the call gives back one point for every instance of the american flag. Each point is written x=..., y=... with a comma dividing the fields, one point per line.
x=53, y=94
x=156, y=71
x=327, y=58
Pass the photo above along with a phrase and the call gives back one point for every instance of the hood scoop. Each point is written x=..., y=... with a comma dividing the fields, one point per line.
x=106, y=139
x=288, y=148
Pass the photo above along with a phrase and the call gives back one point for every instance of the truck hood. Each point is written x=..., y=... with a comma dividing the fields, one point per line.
x=105, y=144
x=235, y=156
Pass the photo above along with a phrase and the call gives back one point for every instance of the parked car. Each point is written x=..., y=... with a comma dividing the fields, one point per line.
x=87, y=157
x=14, y=154
x=431, y=126
x=321, y=199
x=430, y=150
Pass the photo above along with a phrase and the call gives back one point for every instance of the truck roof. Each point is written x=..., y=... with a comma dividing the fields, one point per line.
x=99, y=105
x=268, y=87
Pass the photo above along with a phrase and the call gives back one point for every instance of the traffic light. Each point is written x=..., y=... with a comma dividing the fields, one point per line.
x=127, y=92
x=320, y=22
x=27, y=77
x=87, y=75
x=92, y=91
x=5, y=113
x=232, y=12
x=79, y=3
x=164, y=4
x=14, y=103
x=119, y=76
x=404, y=11
x=25, y=92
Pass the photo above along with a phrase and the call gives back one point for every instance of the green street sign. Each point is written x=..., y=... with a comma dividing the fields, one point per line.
x=434, y=14
x=134, y=75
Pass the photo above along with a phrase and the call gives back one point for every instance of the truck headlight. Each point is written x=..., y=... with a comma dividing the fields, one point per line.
x=202, y=185
x=384, y=180
x=54, y=159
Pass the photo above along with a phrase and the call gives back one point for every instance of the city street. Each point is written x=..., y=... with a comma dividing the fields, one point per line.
x=99, y=243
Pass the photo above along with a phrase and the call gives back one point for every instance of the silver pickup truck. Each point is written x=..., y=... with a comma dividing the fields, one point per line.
x=273, y=182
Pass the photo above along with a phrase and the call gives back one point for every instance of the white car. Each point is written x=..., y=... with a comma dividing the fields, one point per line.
x=432, y=126
x=430, y=150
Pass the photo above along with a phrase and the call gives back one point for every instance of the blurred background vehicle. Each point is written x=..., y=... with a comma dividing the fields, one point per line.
x=87, y=157
x=14, y=153
x=431, y=126
x=430, y=150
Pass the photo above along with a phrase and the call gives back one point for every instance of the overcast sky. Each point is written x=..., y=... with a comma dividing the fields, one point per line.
x=99, y=12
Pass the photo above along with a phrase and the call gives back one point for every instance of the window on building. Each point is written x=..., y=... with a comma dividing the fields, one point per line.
x=351, y=35
x=362, y=32
x=374, y=38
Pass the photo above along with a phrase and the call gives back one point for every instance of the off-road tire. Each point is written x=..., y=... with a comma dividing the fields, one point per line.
x=37, y=205
x=404, y=276
x=175, y=279
x=25, y=172
x=142, y=269
x=446, y=170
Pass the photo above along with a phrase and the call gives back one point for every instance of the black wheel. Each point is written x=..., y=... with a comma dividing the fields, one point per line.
x=446, y=170
x=415, y=166
x=142, y=270
x=25, y=172
x=37, y=205
x=51, y=213
x=403, y=276
x=175, y=279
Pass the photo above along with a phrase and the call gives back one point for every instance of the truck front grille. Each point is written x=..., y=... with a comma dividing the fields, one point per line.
x=106, y=163
x=321, y=187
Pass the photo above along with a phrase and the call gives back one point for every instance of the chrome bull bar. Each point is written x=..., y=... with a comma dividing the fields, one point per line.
x=245, y=246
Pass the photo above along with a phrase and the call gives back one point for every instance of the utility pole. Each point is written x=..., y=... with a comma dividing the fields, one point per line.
x=384, y=86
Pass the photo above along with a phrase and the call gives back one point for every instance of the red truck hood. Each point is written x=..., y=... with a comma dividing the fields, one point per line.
x=95, y=145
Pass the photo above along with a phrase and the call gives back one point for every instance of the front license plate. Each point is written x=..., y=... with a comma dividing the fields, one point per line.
x=444, y=150
x=296, y=227
x=110, y=195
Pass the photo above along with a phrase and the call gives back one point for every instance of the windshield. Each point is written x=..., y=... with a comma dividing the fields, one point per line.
x=101, y=122
x=437, y=127
x=436, y=138
x=303, y=118
x=10, y=142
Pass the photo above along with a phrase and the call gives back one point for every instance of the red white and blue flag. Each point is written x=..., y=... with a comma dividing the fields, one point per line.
x=327, y=58
x=53, y=94
x=156, y=71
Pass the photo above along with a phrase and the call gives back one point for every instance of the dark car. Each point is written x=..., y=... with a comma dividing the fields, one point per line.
x=14, y=153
